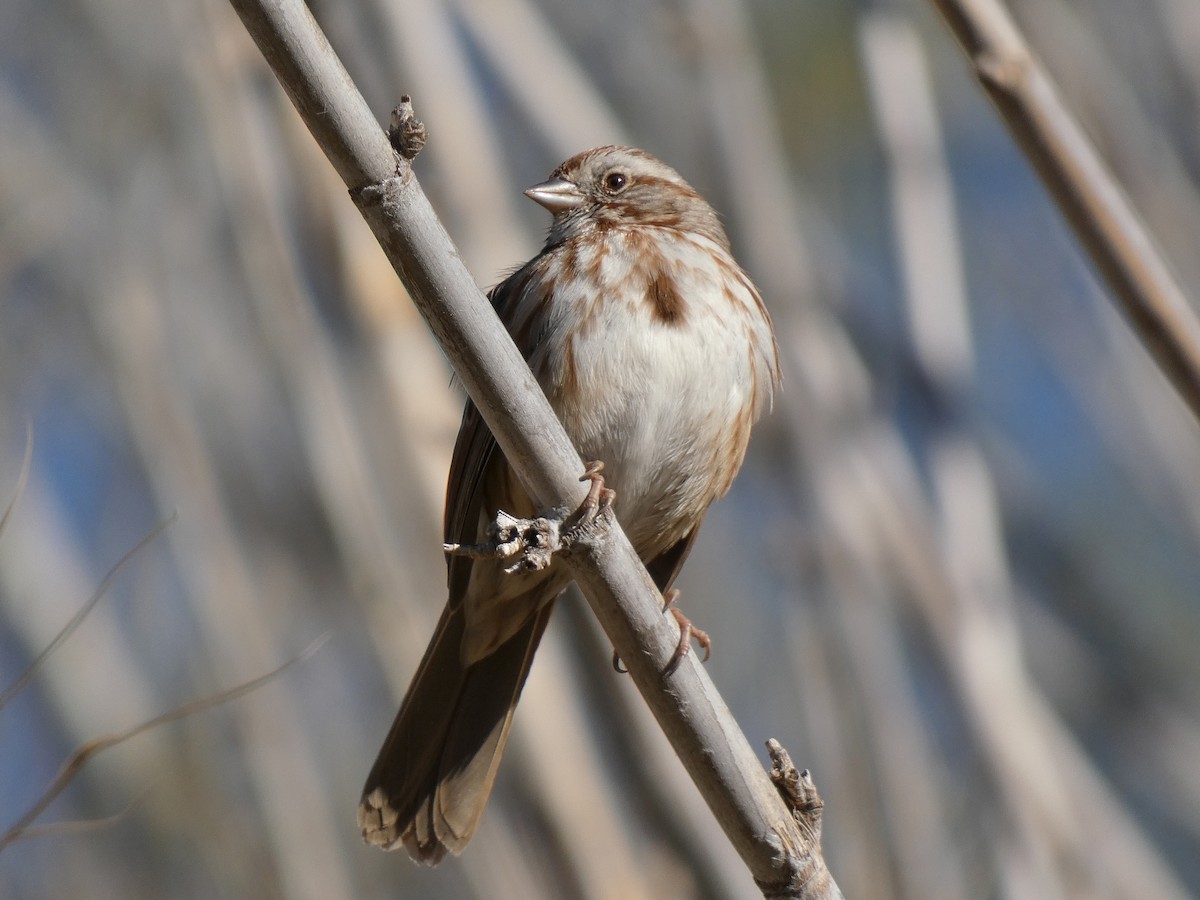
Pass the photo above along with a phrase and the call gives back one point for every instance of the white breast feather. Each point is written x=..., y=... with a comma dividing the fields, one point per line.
x=646, y=398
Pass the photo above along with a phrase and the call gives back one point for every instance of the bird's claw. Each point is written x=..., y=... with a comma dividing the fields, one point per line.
x=687, y=632
x=599, y=499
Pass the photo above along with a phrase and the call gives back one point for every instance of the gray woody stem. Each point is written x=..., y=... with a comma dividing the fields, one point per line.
x=1084, y=189
x=785, y=860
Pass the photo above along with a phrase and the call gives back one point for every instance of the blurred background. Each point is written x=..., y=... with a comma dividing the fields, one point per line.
x=958, y=578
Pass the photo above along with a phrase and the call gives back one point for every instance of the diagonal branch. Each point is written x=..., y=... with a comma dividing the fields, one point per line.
x=1084, y=189
x=785, y=860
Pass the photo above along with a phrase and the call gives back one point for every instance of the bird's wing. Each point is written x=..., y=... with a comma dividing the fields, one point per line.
x=476, y=453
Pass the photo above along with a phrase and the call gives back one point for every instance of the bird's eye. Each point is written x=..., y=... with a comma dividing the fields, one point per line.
x=615, y=182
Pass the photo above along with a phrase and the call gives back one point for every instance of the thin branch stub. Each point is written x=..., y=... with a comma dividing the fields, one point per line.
x=533, y=543
x=798, y=790
x=530, y=543
x=406, y=133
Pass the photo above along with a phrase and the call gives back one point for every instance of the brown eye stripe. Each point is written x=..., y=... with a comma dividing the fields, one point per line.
x=670, y=188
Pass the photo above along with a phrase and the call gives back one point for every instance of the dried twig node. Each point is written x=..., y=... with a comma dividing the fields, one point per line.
x=406, y=133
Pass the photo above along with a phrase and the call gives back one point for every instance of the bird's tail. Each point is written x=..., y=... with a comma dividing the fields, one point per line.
x=435, y=771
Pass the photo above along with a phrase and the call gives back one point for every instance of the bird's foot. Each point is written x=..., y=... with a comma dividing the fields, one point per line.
x=687, y=632
x=595, y=506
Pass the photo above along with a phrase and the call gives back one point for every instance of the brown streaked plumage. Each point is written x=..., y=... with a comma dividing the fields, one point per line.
x=665, y=301
x=656, y=352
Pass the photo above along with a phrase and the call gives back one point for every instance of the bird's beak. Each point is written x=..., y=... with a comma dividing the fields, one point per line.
x=556, y=195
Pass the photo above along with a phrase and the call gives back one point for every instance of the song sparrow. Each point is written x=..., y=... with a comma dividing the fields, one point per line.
x=656, y=352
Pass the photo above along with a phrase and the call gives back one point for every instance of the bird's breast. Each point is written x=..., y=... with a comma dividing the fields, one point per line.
x=652, y=354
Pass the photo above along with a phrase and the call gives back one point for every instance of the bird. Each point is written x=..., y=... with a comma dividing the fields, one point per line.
x=658, y=355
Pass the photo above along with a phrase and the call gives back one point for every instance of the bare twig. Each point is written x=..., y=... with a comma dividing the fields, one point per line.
x=76, y=761
x=76, y=826
x=1082, y=185
x=67, y=630
x=22, y=479
x=781, y=858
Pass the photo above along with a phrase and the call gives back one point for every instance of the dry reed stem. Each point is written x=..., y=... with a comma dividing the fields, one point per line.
x=1091, y=199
